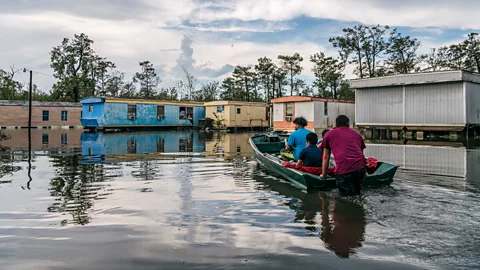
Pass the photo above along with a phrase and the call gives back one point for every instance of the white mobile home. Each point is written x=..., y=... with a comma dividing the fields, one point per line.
x=445, y=101
x=320, y=113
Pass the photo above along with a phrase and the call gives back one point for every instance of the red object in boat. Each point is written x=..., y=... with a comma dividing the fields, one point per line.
x=312, y=170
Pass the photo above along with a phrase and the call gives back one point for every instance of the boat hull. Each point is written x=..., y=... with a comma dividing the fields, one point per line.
x=383, y=176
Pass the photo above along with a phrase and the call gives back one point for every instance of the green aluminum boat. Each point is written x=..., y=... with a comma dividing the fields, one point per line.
x=267, y=148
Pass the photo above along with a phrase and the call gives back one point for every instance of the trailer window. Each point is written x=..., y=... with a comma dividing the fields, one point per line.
x=325, y=108
x=289, y=111
x=160, y=112
x=90, y=108
x=239, y=110
x=132, y=111
x=185, y=113
x=220, y=109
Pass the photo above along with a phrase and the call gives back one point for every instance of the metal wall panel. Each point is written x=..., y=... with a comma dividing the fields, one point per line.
x=334, y=109
x=379, y=106
x=304, y=109
x=430, y=104
x=278, y=113
x=473, y=103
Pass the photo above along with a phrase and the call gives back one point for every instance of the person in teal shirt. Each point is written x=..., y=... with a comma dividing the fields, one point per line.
x=298, y=139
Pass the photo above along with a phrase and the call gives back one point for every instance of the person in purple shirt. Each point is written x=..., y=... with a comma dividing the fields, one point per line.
x=347, y=147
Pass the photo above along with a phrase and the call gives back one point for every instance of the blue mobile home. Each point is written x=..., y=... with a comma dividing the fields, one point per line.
x=110, y=113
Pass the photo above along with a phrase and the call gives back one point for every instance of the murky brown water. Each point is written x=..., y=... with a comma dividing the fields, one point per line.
x=183, y=200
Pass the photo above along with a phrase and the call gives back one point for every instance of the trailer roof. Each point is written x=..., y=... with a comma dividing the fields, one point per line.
x=416, y=78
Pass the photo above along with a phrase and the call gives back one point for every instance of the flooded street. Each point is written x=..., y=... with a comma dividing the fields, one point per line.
x=188, y=200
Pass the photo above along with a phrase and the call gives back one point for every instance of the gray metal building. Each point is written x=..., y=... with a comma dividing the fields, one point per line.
x=442, y=101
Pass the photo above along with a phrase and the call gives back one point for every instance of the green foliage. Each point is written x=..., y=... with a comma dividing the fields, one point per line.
x=292, y=66
x=148, y=80
x=208, y=92
x=168, y=93
x=73, y=63
x=244, y=76
x=361, y=46
x=219, y=122
x=328, y=73
x=265, y=70
x=9, y=88
x=402, y=53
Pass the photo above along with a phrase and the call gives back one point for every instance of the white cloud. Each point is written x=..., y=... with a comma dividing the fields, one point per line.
x=452, y=14
x=127, y=31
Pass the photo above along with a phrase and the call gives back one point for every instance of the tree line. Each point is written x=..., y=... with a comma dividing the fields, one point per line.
x=373, y=51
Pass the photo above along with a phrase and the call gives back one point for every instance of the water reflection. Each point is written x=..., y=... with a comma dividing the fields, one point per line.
x=448, y=166
x=340, y=223
x=122, y=144
x=75, y=188
x=119, y=206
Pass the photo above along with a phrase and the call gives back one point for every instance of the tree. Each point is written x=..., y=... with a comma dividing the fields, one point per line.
x=208, y=92
x=72, y=62
x=169, y=93
x=191, y=82
x=9, y=88
x=228, y=88
x=455, y=57
x=114, y=84
x=329, y=75
x=434, y=60
x=148, y=80
x=102, y=75
x=402, y=53
x=362, y=46
x=128, y=90
x=244, y=76
x=291, y=64
x=299, y=86
x=265, y=70
x=345, y=92
x=471, y=46
x=279, y=80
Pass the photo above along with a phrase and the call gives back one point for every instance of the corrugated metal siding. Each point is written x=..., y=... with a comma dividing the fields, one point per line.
x=473, y=103
x=278, y=112
x=304, y=109
x=416, y=78
x=334, y=109
x=318, y=111
x=379, y=106
x=447, y=161
x=434, y=104
x=425, y=105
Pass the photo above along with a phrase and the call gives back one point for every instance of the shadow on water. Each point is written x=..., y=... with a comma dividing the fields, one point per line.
x=342, y=221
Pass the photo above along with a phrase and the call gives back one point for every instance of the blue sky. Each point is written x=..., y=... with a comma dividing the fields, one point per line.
x=210, y=37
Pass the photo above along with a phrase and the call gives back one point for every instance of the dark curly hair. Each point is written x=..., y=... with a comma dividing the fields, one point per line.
x=300, y=121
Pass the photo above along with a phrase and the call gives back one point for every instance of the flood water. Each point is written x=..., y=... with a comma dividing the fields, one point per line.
x=186, y=200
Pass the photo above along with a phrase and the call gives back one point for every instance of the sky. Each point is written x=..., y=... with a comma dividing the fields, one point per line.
x=210, y=37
